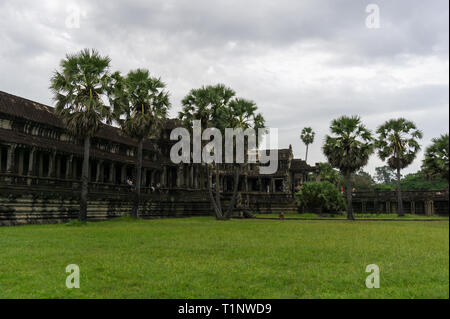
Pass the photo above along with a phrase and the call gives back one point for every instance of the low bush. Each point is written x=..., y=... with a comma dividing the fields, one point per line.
x=320, y=197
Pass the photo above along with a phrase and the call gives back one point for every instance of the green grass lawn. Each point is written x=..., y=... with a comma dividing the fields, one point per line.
x=343, y=216
x=204, y=258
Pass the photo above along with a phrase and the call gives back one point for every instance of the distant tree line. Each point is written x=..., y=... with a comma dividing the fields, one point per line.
x=350, y=145
x=139, y=104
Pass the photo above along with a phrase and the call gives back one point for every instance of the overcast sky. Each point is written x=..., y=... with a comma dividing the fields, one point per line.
x=303, y=62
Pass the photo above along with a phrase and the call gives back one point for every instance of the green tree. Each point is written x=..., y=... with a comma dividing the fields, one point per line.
x=327, y=174
x=348, y=150
x=398, y=143
x=140, y=108
x=420, y=181
x=216, y=106
x=307, y=137
x=435, y=163
x=78, y=89
x=384, y=174
x=362, y=181
x=323, y=196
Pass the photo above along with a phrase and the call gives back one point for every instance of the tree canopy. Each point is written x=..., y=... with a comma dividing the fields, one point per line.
x=79, y=89
x=435, y=163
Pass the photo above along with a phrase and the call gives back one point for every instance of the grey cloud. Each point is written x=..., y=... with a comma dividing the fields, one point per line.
x=258, y=48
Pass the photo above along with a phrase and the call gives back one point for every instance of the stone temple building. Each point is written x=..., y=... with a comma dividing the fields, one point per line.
x=40, y=172
x=39, y=157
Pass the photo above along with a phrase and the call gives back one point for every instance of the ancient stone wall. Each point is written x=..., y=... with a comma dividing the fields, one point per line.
x=414, y=202
x=23, y=204
x=36, y=206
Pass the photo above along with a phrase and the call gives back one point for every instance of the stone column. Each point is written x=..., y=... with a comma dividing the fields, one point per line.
x=112, y=173
x=164, y=177
x=74, y=168
x=10, y=158
x=429, y=208
x=123, y=172
x=191, y=179
x=58, y=167
x=185, y=180
x=69, y=169
x=413, y=207
x=99, y=175
x=31, y=161
x=20, y=169
x=180, y=176
x=1, y=158
x=144, y=177
x=153, y=177
x=51, y=164
x=201, y=177
x=169, y=178
x=90, y=170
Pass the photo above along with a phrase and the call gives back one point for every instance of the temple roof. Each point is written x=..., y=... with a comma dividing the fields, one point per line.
x=70, y=148
x=300, y=165
x=17, y=106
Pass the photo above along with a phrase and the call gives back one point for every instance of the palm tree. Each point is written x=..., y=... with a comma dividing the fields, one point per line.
x=307, y=136
x=435, y=163
x=78, y=89
x=348, y=150
x=397, y=142
x=207, y=104
x=140, y=108
x=215, y=106
x=241, y=113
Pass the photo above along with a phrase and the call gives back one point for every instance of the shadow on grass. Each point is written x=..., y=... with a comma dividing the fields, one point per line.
x=76, y=223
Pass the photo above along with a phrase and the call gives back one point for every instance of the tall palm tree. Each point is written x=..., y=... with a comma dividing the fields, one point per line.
x=307, y=136
x=207, y=104
x=241, y=113
x=78, y=89
x=140, y=108
x=215, y=106
x=398, y=143
x=348, y=150
x=435, y=163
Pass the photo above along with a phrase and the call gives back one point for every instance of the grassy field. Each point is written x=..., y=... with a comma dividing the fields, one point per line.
x=357, y=216
x=204, y=258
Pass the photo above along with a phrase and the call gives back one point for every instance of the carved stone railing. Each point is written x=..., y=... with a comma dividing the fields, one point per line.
x=428, y=202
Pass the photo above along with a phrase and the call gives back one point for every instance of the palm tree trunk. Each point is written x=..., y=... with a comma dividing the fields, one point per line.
x=306, y=157
x=349, y=197
x=235, y=191
x=82, y=215
x=218, y=203
x=399, y=195
x=137, y=195
x=211, y=196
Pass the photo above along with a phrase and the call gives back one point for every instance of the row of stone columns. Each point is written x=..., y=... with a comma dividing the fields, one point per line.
x=38, y=165
x=429, y=209
x=187, y=176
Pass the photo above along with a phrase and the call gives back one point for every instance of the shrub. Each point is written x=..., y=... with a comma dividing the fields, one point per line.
x=321, y=196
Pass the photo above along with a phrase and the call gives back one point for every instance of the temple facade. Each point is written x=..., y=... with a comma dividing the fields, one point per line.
x=41, y=160
x=35, y=148
x=41, y=164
